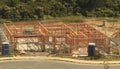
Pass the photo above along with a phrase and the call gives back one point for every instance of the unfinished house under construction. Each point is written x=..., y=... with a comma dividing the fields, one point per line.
x=55, y=37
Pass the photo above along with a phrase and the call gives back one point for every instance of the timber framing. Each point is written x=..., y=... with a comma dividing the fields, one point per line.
x=74, y=35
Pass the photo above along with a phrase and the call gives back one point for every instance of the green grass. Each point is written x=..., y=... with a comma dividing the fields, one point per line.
x=68, y=19
x=71, y=19
x=78, y=19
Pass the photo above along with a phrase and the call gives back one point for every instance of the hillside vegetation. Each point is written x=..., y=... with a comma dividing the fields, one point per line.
x=43, y=9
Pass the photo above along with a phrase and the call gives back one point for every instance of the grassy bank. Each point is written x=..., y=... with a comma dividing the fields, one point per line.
x=69, y=19
x=78, y=19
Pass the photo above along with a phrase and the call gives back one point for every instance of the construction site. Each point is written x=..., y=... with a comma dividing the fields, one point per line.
x=57, y=38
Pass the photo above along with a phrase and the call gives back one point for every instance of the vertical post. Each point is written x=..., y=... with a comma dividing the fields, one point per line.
x=106, y=66
x=104, y=26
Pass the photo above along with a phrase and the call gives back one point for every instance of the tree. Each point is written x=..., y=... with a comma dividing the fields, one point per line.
x=96, y=4
x=13, y=3
x=26, y=1
x=58, y=8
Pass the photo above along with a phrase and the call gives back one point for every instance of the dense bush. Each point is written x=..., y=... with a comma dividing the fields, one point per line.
x=34, y=9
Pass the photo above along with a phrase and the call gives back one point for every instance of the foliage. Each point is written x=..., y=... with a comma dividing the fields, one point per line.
x=40, y=9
